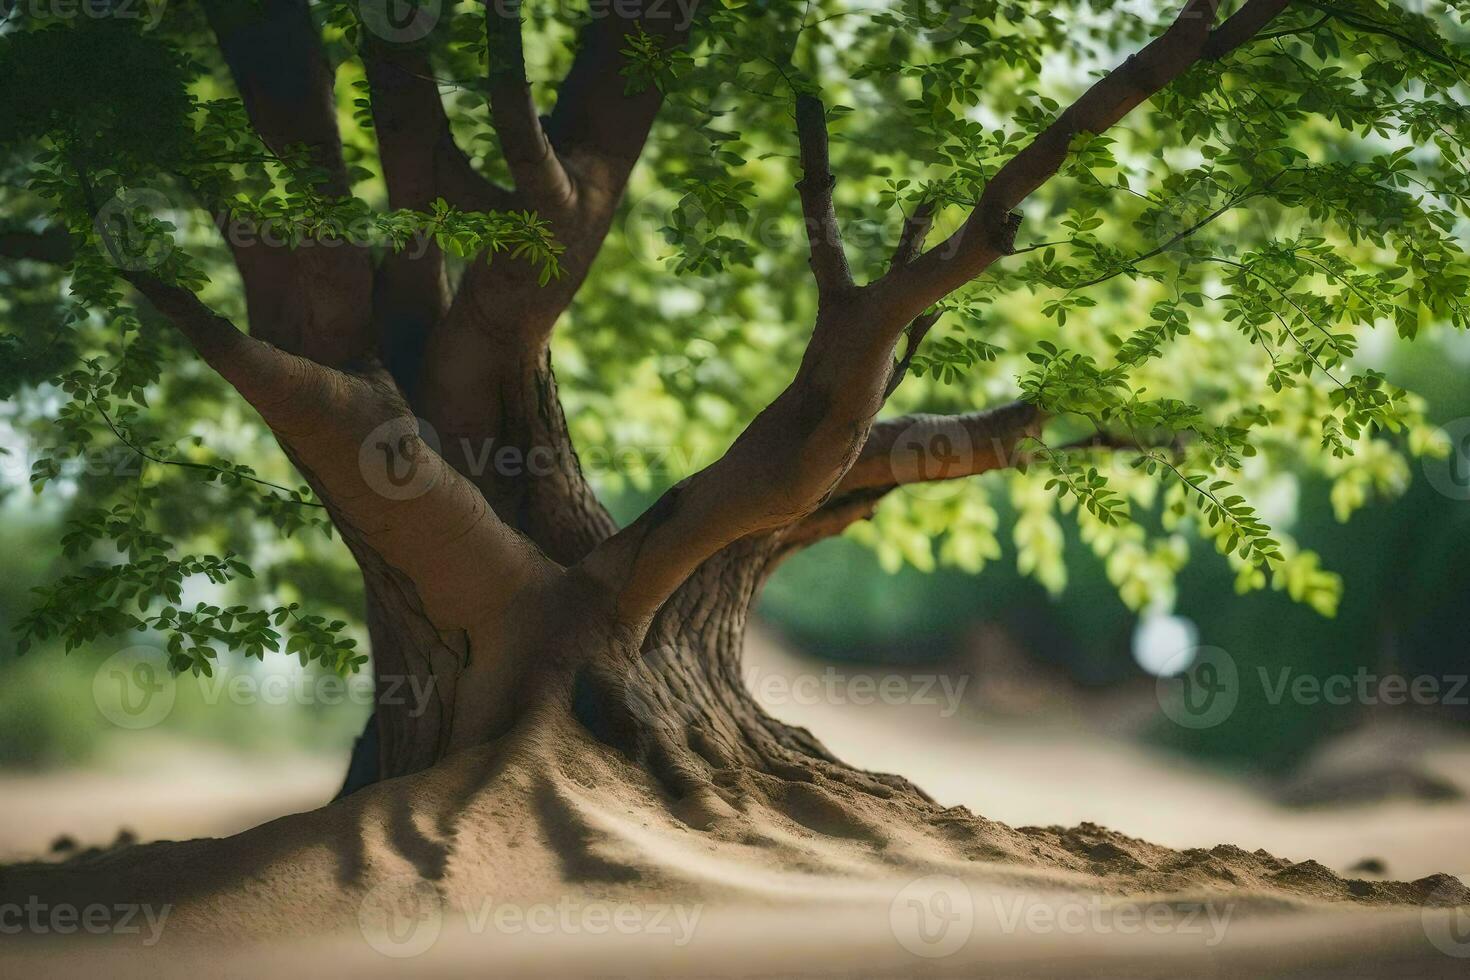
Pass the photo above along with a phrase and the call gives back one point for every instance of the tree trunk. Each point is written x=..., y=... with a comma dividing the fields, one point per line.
x=678, y=707
x=668, y=696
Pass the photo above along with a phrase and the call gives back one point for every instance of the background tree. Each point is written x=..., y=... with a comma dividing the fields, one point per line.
x=410, y=238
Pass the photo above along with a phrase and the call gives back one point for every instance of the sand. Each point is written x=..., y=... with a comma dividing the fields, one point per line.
x=547, y=858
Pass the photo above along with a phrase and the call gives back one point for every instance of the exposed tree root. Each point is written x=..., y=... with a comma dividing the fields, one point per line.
x=549, y=808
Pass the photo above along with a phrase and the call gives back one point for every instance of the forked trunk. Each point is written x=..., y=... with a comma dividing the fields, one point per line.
x=678, y=707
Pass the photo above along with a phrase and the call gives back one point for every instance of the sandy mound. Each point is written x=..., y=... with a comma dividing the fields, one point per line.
x=552, y=816
x=555, y=856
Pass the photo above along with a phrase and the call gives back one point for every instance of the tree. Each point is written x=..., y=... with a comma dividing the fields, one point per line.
x=404, y=294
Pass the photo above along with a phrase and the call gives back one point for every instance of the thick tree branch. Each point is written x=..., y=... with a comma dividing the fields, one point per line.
x=421, y=160
x=828, y=260
x=312, y=300
x=50, y=245
x=487, y=381
x=911, y=239
x=534, y=165
x=500, y=422
x=915, y=333
x=989, y=232
x=830, y=520
x=1241, y=26
x=787, y=461
x=918, y=449
x=276, y=59
x=910, y=244
x=929, y=448
x=358, y=445
x=598, y=126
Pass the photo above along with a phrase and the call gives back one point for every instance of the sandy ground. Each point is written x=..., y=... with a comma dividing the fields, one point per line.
x=854, y=940
x=1052, y=769
x=166, y=790
x=1044, y=771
